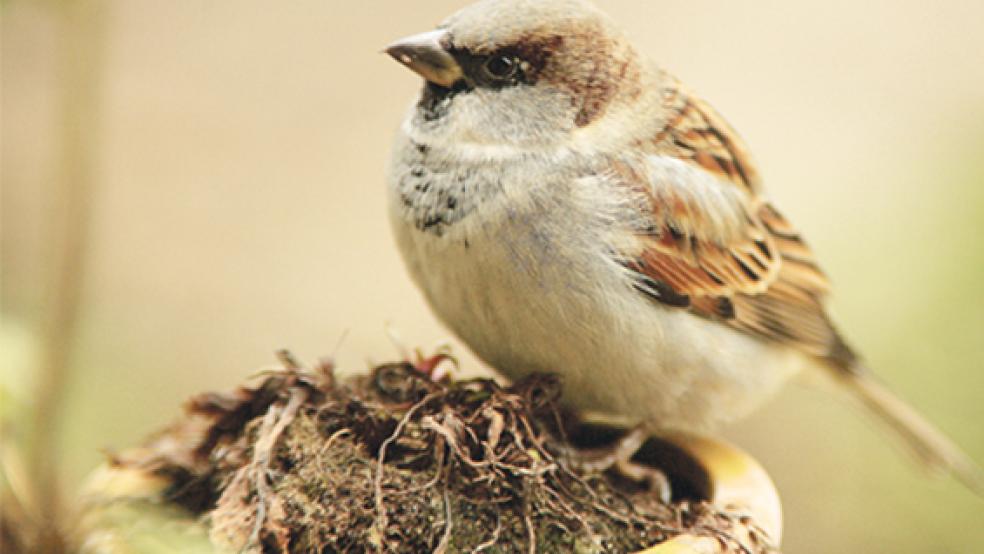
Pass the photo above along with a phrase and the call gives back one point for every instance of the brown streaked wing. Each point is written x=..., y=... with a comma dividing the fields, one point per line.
x=763, y=279
x=695, y=133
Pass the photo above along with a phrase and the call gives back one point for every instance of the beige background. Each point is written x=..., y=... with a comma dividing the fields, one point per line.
x=238, y=152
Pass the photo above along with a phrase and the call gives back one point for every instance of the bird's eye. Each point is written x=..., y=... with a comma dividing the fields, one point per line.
x=501, y=68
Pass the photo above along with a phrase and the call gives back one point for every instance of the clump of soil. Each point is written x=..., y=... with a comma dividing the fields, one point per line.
x=397, y=462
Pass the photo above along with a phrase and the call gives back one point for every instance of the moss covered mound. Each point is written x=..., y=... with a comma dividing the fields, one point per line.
x=396, y=462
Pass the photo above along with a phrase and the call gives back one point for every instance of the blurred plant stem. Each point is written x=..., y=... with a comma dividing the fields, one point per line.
x=80, y=70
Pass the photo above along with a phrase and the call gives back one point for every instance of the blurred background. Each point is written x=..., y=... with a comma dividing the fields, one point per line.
x=189, y=186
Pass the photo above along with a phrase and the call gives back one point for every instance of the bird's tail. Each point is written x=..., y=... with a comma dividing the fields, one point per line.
x=937, y=452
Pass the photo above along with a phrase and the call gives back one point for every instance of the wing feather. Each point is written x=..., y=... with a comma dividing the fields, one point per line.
x=714, y=246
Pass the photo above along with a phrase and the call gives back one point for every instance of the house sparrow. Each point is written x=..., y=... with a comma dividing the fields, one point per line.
x=566, y=206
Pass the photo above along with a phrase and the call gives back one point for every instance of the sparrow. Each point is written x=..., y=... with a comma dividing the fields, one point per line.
x=566, y=206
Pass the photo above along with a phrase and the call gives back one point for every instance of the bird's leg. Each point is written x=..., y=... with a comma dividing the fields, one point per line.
x=618, y=458
x=653, y=477
x=606, y=457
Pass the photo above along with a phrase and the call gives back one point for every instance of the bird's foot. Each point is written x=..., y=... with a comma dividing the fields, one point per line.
x=617, y=458
x=652, y=478
x=606, y=457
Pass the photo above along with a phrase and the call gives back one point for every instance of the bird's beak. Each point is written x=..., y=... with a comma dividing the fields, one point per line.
x=426, y=55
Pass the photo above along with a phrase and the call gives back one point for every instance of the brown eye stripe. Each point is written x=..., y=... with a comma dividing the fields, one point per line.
x=534, y=51
x=530, y=53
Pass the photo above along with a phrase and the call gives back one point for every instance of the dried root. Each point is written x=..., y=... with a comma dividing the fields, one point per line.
x=398, y=462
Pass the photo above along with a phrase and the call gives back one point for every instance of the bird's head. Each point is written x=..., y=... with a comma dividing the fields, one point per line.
x=525, y=73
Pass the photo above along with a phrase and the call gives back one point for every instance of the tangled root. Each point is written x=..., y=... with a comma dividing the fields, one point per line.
x=396, y=462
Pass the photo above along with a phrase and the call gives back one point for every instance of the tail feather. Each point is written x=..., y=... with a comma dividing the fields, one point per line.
x=937, y=452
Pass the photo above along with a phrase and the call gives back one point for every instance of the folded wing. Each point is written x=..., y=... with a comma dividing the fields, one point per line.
x=712, y=244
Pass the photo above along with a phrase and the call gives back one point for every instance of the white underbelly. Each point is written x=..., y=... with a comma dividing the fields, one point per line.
x=525, y=302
